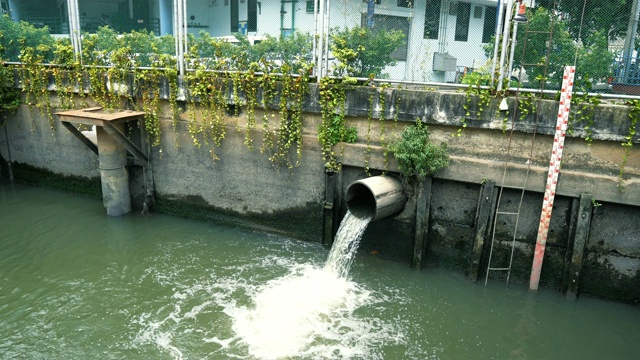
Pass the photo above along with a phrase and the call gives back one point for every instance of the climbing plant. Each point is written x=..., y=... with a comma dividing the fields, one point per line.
x=34, y=78
x=333, y=128
x=477, y=99
x=584, y=112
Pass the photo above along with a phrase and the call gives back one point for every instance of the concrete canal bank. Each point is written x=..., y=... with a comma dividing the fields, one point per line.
x=449, y=220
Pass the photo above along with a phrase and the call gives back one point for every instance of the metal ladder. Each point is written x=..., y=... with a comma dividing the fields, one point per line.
x=504, y=210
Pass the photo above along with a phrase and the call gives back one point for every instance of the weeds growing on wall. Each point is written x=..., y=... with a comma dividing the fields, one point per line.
x=416, y=155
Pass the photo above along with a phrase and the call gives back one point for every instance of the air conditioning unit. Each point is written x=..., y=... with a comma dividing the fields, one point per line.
x=443, y=62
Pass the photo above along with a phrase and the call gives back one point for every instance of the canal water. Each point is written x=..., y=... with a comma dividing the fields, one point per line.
x=76, y=284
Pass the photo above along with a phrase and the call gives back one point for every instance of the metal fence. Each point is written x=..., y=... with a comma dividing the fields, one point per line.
x=417, y=41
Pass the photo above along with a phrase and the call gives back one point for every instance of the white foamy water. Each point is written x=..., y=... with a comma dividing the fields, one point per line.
x=311, y=313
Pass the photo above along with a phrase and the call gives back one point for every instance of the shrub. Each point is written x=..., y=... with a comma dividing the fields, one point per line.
x=416, y=155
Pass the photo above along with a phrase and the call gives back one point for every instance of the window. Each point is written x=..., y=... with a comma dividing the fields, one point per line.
x=489, y=24
x=405, y=3
x=310, y=6
x=432, y=19
x=462, y=21
x=252, y=15
x=234, y=16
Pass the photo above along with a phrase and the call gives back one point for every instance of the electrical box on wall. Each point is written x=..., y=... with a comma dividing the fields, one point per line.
x=444, y=62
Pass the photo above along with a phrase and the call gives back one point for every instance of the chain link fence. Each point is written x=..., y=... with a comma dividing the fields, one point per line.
x=411, y=41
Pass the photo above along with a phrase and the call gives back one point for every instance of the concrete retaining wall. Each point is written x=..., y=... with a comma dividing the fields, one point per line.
x=454, y=210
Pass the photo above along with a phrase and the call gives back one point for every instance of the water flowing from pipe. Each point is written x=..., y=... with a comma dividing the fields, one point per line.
x=297, y=313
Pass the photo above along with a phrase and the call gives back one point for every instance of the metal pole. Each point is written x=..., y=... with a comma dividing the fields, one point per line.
x=179, y=18
x=185, y=33
x=327, y=22
x=505, y=41
x=513, y=49
x=314, y=44
x=629, y=41
x=496, y=45
x=320, y=39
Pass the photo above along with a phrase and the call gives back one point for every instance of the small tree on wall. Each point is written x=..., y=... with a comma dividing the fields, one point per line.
x=416, y=155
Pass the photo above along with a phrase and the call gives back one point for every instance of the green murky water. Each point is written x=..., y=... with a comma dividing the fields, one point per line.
x=76, y=284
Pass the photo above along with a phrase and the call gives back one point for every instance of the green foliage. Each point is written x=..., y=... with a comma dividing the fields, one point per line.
x=337, y=131
x=270, y=54
x=135, y=49
x=477, y=100
x=607, y=17
x=593, y=57
x=477, y=78
x=293, y=50
x=634, y=115
x=416, y=155
x=333, y=128
x=15, y=36
x=362, y=52
x=289, y=134
x=583, y=112
x=9, y=95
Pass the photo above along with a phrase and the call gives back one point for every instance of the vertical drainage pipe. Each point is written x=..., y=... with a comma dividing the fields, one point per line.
x=376, y=197
x=113, y=173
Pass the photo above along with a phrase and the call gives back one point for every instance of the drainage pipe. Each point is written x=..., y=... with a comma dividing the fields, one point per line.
x=376, y=197
x=113, y=173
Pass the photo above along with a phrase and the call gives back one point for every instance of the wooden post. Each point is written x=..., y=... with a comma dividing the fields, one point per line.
x=483, y=218
x=328, y=208
x=583, y=225
x=422, y=192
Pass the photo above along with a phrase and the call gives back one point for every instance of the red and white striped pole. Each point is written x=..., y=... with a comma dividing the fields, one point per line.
x=552, y=177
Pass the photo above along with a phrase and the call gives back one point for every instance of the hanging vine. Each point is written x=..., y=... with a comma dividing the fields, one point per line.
x=250, y=90
x=585, y=107
x=34, y=77
x=289, y=134
x=483, y=96
x=268, y=85
x=634, y=115
x=333, y=128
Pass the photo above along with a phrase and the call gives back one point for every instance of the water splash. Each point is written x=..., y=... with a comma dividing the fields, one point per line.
x=310, y=313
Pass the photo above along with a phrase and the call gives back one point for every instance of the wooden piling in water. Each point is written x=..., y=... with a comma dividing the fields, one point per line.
x=483, y=217
x=583, y=224
x=423, y=202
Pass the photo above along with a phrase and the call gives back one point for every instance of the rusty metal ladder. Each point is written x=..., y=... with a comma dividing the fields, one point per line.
x=504, y=210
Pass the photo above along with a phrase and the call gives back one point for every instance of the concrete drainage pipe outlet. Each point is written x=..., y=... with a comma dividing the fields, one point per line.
x=375, y=197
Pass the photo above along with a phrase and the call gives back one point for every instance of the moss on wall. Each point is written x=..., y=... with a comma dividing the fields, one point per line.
x=303, y=223
x=30, y=175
